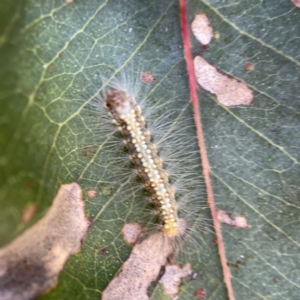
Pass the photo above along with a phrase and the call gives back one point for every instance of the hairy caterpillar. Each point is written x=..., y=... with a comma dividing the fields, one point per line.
x=161, y=153
x=143, y=153
x=165, y=126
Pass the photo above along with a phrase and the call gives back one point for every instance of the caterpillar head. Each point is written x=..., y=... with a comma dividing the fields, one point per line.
x=119, y=103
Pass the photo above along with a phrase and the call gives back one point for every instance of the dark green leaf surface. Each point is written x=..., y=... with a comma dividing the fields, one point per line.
x=52, y=57
x=254, y=151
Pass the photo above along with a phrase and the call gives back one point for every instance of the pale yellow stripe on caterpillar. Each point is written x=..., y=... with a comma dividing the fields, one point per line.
x=127, y=115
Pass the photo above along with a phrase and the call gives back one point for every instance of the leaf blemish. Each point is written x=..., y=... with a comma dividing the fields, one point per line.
x=249, y=66
x=171, y=279
x=202, y=29
x=200, y=293
x=148, y=77
x=238, y=264
x=29, y=212
x=140, y=269
x=91, y=193
x=106, y=190
x=104, y=251
x=131, y=232
x=238, y=221
x=228, y=90
x=30, y=265
x=89, y=151
x=296, y=3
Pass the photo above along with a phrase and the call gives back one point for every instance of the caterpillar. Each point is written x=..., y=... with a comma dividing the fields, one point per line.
x=145, y=134
x=127, y=115
x=160, y=150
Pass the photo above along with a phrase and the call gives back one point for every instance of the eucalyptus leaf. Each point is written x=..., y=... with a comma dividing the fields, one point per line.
x=53, y=56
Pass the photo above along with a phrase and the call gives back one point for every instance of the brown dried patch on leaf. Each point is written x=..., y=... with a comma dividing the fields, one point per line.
x=29, y=212
x=296, y=3
x=131, y=232
x=201, y=29
x=91, y=193
x=249, y=66
x=30, y=265
x=238, y=221
x=104, y=251
x=200, y=293
x=140, y=269
x=172, y=278
x=89, y=151
x=148, y=77
x=228, y=90
x=106, y=190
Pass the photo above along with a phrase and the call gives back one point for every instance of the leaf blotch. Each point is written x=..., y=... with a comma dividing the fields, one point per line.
x=89, y=151
x=238, y=221
x=30, y=265
x=131, y=232
x=172, y=278
x=148, y=77
x=141, y=268
x=249, y=66
x=200, y=293
x=104, y=251
x=202, y=29
x=296, y=3
x=91, y=193
x=29, y=212
x=228, y=90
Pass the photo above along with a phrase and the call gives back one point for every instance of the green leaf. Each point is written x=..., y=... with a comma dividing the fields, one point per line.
x=53, y=55
x=254, y=151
